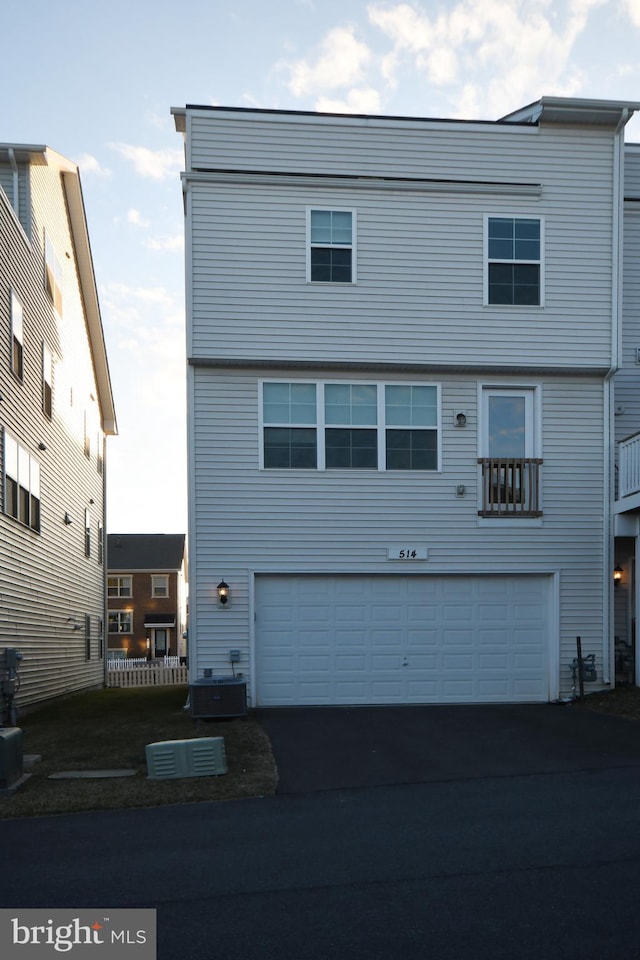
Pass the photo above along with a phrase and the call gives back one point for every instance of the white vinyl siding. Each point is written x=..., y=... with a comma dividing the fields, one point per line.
x=50, y=565
x=312, y=521
x=421, y=267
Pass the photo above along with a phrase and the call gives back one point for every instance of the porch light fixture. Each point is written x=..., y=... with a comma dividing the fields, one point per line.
x=617, y=575
x=223, y=592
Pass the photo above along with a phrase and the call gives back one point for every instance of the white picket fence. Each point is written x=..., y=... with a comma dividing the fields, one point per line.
x=138, y=672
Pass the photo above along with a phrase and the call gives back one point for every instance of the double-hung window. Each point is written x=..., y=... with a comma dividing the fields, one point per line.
x=47, y=381
x=119, y=586
x=331, y=246
x=160, y=585
x=53, y=274
x=514, y=261
x=21, y=484
x=290, y=433
x=351, y=417
x=17, y=337
x=350, y=426
x=120, y=621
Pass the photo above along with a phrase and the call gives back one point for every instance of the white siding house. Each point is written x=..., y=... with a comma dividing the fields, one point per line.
x=401, y=336
x=56, y=409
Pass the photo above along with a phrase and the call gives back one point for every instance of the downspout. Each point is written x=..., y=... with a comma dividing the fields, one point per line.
x=16, y=182
x=608, y=626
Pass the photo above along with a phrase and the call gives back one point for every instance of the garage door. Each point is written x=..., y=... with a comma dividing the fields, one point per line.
x=396, y=639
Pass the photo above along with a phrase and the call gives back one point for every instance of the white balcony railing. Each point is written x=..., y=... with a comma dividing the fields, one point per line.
x=629, y=466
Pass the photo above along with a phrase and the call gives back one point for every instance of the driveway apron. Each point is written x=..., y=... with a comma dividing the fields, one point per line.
x=331, y=748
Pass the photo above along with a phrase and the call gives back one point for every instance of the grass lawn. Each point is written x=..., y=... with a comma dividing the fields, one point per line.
x=108, y=729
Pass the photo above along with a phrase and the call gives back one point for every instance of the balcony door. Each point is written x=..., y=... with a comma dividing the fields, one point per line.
x=510, y=469
x=508, y=419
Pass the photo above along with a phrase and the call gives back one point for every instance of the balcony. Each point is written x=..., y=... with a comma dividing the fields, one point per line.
x=629, y=466
x=510, y=487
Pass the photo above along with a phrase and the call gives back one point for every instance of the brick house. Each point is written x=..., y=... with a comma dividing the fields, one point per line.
x=146, y=595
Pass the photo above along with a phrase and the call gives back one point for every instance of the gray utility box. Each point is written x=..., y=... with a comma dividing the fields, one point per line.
x=218, y=697
x=11, y=757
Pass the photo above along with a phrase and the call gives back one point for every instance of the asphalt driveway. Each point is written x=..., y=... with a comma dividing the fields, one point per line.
x=330, y=748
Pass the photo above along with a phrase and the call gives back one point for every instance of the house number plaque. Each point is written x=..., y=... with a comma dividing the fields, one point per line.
x=407, y=551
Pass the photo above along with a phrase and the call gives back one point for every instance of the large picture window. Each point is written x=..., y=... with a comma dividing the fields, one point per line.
x=331, y=246
x=514, y=246
x=350, y=426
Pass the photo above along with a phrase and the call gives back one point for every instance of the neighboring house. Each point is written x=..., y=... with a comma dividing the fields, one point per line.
x=56, y=410
x=401, y=341
x=627, y=425
x=147, y=594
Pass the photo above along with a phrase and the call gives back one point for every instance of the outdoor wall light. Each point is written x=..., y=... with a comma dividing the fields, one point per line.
x=67, y=519
x=617, y=575
x=223, y=592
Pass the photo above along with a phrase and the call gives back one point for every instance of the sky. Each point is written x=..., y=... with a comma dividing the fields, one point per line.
x=96, y=82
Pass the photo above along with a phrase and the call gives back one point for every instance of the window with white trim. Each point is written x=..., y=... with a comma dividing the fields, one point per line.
x=331, y=246
x=21, y=484
x=17, y=337
x=120, y=621
x=119, y=586
x=160, y=585
x=53, y=274
x=87, y=532
x=514, y=260
x=47, y=381
x=325, y=426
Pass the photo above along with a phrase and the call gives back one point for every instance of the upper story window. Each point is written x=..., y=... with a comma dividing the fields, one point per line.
x=21, y=484
x=100, y=542
x=53, y=274
x=47, y=381
x=350, y=426
x=331, y=246
x=514, y=260
x=160, y=585
x=17, y=337
x=119, y=586
x=87, y=533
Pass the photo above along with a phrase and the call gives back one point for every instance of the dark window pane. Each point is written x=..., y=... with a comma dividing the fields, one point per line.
x=35, y=514
x=330, y=265
x=517, y=284
x=23, y=504
x=501, y=249
x=352, y=449
x=286, y=447
x=11, y=503
x=412, y=450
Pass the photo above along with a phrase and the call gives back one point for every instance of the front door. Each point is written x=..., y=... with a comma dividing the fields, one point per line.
x=160, y=642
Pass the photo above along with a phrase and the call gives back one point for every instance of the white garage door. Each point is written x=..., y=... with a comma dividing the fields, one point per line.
x=395, y=639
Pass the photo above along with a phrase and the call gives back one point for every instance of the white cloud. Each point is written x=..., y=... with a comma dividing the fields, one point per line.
x=494, y=54
x=151, y=164
x=632, y=8
x=340, y=62
x=136, y=218
x=358, y=100
x=175, y=242
x=88, y=164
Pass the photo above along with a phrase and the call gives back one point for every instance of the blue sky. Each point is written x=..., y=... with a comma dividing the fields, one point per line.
x=96, y=83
